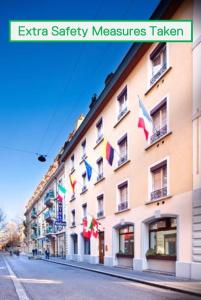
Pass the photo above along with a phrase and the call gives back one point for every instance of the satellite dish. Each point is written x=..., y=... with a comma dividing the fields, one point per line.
x=42, y=158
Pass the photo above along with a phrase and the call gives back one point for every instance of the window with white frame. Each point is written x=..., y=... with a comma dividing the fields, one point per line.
x=158, y=62
x=72, y=163
x=73, y=217
x=123, y=196
x=99, y=127
x=84, y=210
x=100, y=168
x=100, y=212
x=159, y=117
x=122, y=103
x=84, y=149
x=84, y=180
x=123, y=150
x=159, y=180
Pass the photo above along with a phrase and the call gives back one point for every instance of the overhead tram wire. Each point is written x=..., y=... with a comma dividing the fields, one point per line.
x=66, y=86
x=94, y=72
x=40, y=157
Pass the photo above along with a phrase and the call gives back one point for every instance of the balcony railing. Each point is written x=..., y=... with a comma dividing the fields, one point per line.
x=49, y=230
x=100, y=137
x=100, y=176
x=100, y=214
x=49, y=215
x=159, y=133
x=159, y=193
x=34, y=225
x=122, y=113
x=84, y=188
x=122, y=160
x=123, y=206
x=49, y=198
x=33, y=214
x=34, y=236
x=158, y=74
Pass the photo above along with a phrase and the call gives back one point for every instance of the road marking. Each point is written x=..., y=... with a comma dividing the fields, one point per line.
x=18, y=286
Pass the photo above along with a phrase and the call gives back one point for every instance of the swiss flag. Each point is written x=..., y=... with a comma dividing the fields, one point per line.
x=95, y=228
x=86, y=229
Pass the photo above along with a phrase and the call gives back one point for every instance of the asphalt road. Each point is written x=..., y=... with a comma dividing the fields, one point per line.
x=46, y=281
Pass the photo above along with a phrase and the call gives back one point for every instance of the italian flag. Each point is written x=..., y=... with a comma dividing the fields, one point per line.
x=61, y=192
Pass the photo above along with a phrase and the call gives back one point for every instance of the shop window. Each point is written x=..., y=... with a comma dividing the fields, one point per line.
x=122, y=103
x=126, y=240
x=159, y=117
x=158, y=60
x=162, y=238
x=159, y=181
x=87, y=250
x=75, y=244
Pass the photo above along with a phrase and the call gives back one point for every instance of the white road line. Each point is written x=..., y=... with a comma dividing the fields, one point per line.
x=17, y=284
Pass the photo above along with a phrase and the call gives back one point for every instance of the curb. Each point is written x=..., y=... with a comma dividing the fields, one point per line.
x=150, y=283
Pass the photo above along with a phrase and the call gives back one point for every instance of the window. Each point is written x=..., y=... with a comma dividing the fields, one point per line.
x=122, y=103
x=99, y=127
x=123, y=196
x=75, y=244
x=73, y=217
x=158, y=62
x=162, y=237
x=87, y=250
x=123, y=148
x=100, y=168
x=84, y=187
x=84, y=149
x=159, y=181
x=126, y=240
x=159, y=117
x=100, y=212
x=84, y=209
x=72, y=163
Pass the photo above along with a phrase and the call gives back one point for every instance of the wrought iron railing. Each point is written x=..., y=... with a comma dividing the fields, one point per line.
x=122, y=160
x=158, y=74
x=122, y=205
x=100, y=176
x=159, y=133
x=122, y=113
x=159, y=193
x=100, y=214
x=100, y=137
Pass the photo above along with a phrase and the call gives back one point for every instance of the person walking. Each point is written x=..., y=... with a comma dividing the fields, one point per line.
x=47, y=253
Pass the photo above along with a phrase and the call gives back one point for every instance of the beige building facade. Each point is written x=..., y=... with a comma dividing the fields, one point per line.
x=148, y=202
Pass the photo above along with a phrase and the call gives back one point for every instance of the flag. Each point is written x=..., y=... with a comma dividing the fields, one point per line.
x=145, y=120
x=61, y=192
x=108, y=152
x=72, y=182
x=88, y=169
x=87, y=226
x=95, y=228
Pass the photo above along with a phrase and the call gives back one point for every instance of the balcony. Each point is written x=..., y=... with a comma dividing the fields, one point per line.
x=122, y=160
x=33, y=214
x=49, y=216
x=100, y=214
x=49, y=230
x=159, y=194
x=49, y=198
x=122, y=113
x=122, y=205
x=99, y=138
x=158, y=134
x=34, y=236
x=34, y=225
x=158, y=74
x=99, y=177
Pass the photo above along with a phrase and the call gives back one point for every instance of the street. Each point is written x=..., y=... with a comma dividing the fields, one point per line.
x=41, y=280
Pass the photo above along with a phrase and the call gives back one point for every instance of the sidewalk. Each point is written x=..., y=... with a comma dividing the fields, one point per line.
x=191, y=287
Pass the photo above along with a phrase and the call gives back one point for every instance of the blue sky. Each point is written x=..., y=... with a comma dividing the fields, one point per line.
x=44, y=87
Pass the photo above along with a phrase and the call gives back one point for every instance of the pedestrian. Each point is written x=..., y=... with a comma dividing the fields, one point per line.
x=48, y=252
x=36, y=251
x=33, y=252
